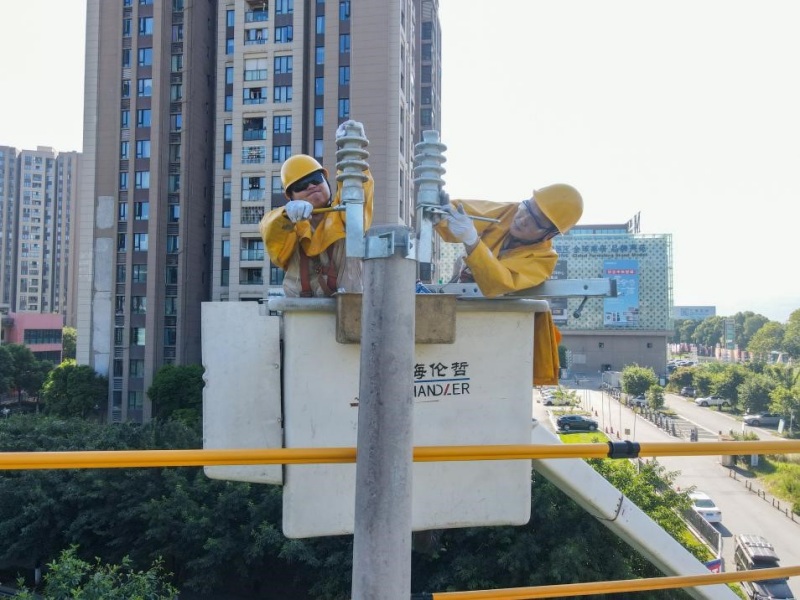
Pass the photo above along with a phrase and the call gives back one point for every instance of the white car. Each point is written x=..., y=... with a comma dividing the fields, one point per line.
x=705, y=507
x=712, y=401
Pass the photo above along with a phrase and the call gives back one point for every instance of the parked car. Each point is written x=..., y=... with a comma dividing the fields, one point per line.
x=755, y=552
x=639, y=401
x=712, y=401
x=576, y=422
x=704, y=506
x=688, y=391
x=762, y=419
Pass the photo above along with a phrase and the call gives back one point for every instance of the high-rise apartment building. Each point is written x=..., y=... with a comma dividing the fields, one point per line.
x=191, y=108
x=287, y=74
x=37, y=203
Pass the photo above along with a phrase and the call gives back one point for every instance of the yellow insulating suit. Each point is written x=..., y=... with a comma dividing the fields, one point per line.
x=281, y=236
x=498, y=271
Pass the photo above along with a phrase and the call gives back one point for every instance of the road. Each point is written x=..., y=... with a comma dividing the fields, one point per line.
x=742, y=511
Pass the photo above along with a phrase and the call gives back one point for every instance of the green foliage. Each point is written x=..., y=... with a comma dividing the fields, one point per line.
x=766, y=339
x=637, y=380
x=6, y=369
x=681, y=377
x=786, y=402
x=177, y=392
x=71, y=577
x=727, y=382
x=69, y=338
x=754, y=393
x=791, y=336
x=27, y=373
x=747, y=324
x=655, y=397
x=709, y=332
x=73, y=390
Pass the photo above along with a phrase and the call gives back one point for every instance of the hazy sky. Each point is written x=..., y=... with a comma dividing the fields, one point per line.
x=687, y=112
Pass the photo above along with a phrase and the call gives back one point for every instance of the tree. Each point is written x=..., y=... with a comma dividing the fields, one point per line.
x=682, y=377
x=786, y=401
x=637, y=380
x=747, y=328
x=69, y=337
x=27, y=372
x=754, y=393
x=69, y=576
x=709, y=331
x=74, y=390
x=766, y=339
x=177, y=392
x=655, y=397
x=791, y=337
x=727, y=382
x=6, y=370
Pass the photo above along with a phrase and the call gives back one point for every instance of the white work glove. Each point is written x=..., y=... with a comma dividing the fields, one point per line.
x=461, y=226
x=341, y=131
x=298, y=210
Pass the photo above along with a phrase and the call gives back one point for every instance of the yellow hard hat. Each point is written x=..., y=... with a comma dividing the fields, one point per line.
x=298, y=166
x=560, y=203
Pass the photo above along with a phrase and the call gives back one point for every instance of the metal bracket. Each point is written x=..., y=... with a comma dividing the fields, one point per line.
x=552, y=288
x=388, y=240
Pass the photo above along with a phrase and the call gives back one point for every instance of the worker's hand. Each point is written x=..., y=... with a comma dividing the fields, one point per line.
x=341, y=131
x=298, y=210
x=461, y=226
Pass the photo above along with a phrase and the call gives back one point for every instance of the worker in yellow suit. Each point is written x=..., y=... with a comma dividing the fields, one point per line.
x=515, y=253
x=310, y=247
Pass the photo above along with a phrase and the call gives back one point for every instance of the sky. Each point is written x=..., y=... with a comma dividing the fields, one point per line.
x=685, y=112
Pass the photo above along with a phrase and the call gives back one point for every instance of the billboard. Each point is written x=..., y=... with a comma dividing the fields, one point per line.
x=559, y=306
x=622, y=311
x=695, y=313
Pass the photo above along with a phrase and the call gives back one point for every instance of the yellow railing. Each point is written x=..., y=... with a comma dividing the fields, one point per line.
x=115, y=459
x=112, y=459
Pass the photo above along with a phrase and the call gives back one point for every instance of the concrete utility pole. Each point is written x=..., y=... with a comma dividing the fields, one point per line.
x=383, y=522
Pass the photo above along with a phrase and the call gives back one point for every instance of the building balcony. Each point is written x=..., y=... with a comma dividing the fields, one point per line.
x=251, y=254
x=254, y=195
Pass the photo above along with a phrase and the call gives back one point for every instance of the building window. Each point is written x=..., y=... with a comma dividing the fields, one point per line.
x=145, y=25
x=173, y=213
x=282, y=124
x=277, y=185
x=230, y=18
x=145, y=57
x=126, y=58
x=140, y=242
x=170, y=336
x=143, y=117
x=136, y=368
x=141, y=211
x=281, y=153
x=227, y=161
x=319, y=117
x=426, y=117
x=320, y=55
x=122, y=242
x=344, y=43
x=135, y=399
x=228, y=132
x=126, y=28
x=255, y=69
x=228, y=103
x=284, y=34
x=126, y=88
x=143, y=149
x=344, y=10
x=226, y=218
x=122, y=211
x=118, y=336
x=226, y=248
x=318, y=148
x=139, y=305
x=174, y=183
x=177, y=63
x=139, y=273
x=282, y=65
x=125, y=119
x=171, y=275
x=118, y=367
x=229, y=46
x=175, y=123
x=282, y=93
x=283, y=7
x=124, y=150
x=121, y=273
x=254, y=95
x=137, y=336
x=344, y=75
x=344, y=108
x=177, y=33
x=320, y=24
x=176, y=92
x=173, y=244
x=123, y=180
x=142, y=180
x=170, y=306
x=226, y=190
x=256, y=36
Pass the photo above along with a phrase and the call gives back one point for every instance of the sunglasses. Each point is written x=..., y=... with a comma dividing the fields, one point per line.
x=548, y=227
x=315, y=178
